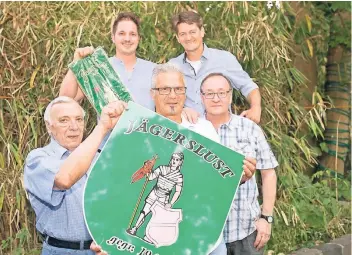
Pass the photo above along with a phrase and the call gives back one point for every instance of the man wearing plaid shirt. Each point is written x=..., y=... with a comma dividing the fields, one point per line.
x=248, y=227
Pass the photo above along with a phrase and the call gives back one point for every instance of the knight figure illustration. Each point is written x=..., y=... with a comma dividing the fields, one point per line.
x=168, y=178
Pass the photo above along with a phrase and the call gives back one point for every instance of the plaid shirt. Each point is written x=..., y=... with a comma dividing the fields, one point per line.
x=246, y=137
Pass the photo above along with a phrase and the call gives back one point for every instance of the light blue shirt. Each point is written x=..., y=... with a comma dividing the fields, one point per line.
x=212, y=61
x=59, y=213
x=138, y=82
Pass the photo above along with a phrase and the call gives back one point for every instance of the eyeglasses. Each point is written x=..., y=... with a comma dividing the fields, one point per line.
x=211, y=95
x=167, y=90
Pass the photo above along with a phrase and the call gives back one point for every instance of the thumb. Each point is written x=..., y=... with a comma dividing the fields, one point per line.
x=244, y=113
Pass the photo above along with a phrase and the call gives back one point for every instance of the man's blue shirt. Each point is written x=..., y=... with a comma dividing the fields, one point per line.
x=59, y=213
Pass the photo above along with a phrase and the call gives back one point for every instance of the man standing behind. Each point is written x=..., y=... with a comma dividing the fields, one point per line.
x=135, y=73
x=248, y=226
x=198, y=61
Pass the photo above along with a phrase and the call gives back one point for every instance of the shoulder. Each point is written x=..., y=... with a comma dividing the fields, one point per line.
x=221, y=53
x=147, y=63
x=37, y=157
x=246, y=125
x=178, y=59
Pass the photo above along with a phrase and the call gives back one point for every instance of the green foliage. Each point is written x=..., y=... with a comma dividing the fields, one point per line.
x=309, y=214
x=37, y=41
x=340, y=29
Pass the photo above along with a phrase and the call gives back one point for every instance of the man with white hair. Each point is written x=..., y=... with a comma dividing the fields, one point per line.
x=55, y=175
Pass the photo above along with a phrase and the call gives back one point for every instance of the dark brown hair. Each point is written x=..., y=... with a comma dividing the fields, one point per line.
x=189, y=17
x=125, y=16
x=212, y=75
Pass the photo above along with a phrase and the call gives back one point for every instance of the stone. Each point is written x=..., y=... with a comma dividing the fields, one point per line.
x=345, y=241
x=306, y=251
x=331, y=248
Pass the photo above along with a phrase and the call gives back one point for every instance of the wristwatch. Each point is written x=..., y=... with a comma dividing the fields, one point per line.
x=269, y=219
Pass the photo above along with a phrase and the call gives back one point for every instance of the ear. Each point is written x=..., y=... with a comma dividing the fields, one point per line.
x=177, y=38
x=112, y=37
x=152, y=94
x=202, y=98
x=202, y=32
x=231, y=96
x=48, y=128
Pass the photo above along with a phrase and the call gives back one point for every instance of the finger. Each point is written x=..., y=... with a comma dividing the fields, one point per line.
x=251, y=160
x=257, y=240
x=247, y=174
x=95, y=247
x=195, y=118
x=87, y=51
x=125, y=105
x=243, y=114
x=188, y=118
x=262, y=243
x=249, y=166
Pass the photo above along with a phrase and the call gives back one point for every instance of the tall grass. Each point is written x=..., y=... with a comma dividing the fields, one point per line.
x=37, y=41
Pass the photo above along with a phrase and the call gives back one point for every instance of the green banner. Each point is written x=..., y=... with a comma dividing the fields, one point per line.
x=159, y=189
x=98, y=80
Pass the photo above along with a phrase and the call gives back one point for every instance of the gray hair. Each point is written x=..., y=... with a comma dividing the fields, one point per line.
x=58, y=100
x=166, y=68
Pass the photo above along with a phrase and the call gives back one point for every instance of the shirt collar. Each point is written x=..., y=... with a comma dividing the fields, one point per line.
x=56, y=148
x=205, y=53
x=121, y=62
x=230, y=124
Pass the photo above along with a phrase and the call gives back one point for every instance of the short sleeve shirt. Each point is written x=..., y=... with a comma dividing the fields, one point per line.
x=59, y=213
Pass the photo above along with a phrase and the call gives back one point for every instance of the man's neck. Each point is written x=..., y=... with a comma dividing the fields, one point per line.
x=218, y=120
x=128, y=60
x=195, y=55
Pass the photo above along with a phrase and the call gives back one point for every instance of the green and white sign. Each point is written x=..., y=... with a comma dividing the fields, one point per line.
x=159, y=189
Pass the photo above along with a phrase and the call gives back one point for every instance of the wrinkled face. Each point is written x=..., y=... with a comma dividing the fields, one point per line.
x=220, y=103
x=190, y=36
x=172, y=103
x=67, y=124
x=126, y=37
x=176, y=161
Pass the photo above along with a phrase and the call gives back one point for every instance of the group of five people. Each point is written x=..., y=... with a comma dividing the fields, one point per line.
x=194, y=90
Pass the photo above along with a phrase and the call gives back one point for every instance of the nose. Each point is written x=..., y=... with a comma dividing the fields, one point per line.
x=216, y=98
x=188, y=37
x=172, y=93
x=74, y=125
x=127, y=37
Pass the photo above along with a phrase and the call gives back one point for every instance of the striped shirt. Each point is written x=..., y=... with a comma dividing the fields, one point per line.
x=246, y=137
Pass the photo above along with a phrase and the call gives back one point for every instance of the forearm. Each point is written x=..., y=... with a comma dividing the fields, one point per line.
x=79, y=161
x=254, y=98
x=269, y=191
x=175, y=197
x=69, y=86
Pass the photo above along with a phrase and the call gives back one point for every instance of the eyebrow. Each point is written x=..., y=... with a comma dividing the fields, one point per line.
x=66, y=116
